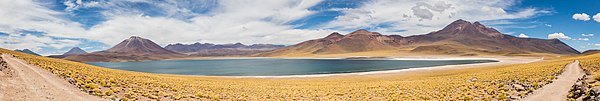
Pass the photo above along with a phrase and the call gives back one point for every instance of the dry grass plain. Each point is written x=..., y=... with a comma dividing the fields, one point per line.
x=485, y=83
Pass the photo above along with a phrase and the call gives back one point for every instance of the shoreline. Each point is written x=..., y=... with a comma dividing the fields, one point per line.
x=501, y=61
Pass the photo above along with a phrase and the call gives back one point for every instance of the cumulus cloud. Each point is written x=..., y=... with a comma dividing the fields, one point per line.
x=558, y=36
x=76, y=4
x=584, y=39
x=423, y=10
x=230, y=21
x=251, y=21
x=587, y=34
x=35, y=43
x=423, y=16
x=523, y=36
x=581, y=16
x=22, y=16
x=597, y=17
x=16, y=16
x=597, y=45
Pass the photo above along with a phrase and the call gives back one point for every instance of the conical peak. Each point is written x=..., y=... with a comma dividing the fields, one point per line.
x=363, y=32
x=461, y=22
x=334, y=35
x=76, y=48
x=238, y=44
x=134, y=37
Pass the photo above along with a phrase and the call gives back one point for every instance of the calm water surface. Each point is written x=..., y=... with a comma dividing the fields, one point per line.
x=273, y=67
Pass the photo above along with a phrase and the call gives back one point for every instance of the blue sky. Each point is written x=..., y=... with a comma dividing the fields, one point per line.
x=52, y=27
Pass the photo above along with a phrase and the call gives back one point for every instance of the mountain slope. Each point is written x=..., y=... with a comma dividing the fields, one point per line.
x=589, y=52
x=133, y=49
x=476, y=36
x=458, y=38
x=72, y=51
x=27, y=51
x=75, y=50
x=208, y=49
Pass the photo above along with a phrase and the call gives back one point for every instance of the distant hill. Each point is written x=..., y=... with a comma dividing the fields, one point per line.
x=209, y=49
x=588, y=52
x=75, y=50
x=72, y=51
x=27, y=51
x=133, y=49
x=458, y=38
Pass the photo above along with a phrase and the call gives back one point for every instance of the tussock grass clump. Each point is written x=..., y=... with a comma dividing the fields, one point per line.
x=486, y=83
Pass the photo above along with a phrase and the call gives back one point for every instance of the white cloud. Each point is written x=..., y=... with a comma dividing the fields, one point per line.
x=583, y=39
x=597, y=17
x=16, y=16
x=35, y=43
x=558, y=36
x=581, y=16
x=230, y=21
x=423, y=16
x=252, y=21
x=548, y=25
x=587, y=34
x=76, y=4
x=597, y=45
x=523, y=36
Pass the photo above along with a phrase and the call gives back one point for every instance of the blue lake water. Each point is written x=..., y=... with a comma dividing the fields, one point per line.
x=274, y=67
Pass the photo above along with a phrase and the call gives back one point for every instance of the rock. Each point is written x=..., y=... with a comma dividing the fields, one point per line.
x=518, y=87
x=71, y=81
x=590, y=81
x=514, y=97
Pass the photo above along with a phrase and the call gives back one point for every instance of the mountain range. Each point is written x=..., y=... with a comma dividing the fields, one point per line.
x=27, y=51
x=133, y=49
x=458, y=38
x=72, y=51
x=208, y=49
x=461, y=38
x=75, y=50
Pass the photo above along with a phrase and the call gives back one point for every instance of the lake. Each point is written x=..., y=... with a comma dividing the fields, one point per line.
x=274, y=67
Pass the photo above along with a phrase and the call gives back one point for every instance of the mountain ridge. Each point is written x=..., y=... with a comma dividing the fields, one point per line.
x=134, y=48
x=27, y=51
x=458, y=38
x=209, y=49
x=75, y=50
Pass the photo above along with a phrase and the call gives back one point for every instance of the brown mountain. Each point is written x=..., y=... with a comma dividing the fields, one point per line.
x=133, y=49
x=459, y=38
x=588, y=52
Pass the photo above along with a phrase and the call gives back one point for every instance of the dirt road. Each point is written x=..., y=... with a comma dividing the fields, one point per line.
x=558, y=90
x=25, y=82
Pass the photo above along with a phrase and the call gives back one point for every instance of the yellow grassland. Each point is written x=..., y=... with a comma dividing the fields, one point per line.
x=485, y=83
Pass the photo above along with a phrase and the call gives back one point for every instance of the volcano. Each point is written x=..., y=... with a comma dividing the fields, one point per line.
x=133, y=49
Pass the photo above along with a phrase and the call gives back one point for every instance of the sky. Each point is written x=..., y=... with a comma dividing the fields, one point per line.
x=53, y=27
